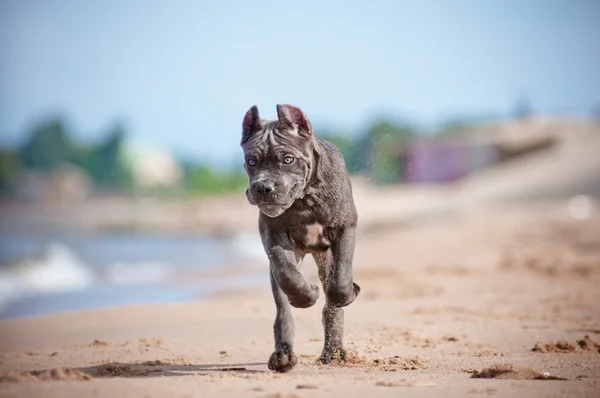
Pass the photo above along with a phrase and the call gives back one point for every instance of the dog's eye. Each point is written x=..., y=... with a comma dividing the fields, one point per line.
x=288, y=159
x=251, y=162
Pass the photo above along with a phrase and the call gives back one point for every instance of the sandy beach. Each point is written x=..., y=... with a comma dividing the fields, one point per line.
x=513, y=289
x=485, y=287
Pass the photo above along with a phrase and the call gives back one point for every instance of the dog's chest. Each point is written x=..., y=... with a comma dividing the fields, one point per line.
x=310, y=237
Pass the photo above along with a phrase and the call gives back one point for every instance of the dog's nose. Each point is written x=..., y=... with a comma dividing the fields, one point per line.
x=263, y=188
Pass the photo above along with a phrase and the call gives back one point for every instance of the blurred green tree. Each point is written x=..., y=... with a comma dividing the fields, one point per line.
x=48, y=146
x=107, y=167
x=204, y=180
x=9, y=168
x=350, y=149
x=384, y=142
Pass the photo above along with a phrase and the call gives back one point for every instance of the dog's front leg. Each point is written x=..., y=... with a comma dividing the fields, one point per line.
x=289, y=288
x=299, y=292
x=341, y=290
x=283, y=359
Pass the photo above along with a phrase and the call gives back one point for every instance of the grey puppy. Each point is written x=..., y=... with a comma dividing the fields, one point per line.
x=301, y=186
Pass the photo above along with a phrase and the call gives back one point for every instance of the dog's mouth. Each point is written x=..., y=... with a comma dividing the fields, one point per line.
x=275, y=206
x=273, y=210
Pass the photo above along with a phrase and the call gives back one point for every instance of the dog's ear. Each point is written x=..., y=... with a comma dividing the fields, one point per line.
x=289, y=115
x=251, y=123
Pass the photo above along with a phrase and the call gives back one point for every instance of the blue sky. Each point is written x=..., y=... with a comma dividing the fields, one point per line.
x=182, y=73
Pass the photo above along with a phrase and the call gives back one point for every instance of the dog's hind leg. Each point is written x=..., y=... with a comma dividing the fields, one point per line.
x=341, y=291
x=333, y=317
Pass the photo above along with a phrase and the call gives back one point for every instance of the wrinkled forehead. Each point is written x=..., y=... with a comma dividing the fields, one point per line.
x=272, y=139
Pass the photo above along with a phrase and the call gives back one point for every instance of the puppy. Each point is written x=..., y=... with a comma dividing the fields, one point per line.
x=300, y=184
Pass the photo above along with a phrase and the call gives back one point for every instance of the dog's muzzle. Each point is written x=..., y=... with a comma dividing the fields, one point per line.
x=263, y=189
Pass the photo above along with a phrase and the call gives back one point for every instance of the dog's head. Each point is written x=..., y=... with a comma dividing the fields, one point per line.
x=278, y=158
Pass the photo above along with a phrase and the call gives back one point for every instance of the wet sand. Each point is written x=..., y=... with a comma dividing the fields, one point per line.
x=502, y=301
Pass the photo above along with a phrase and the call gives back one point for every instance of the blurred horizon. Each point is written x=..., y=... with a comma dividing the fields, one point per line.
x=180, y=75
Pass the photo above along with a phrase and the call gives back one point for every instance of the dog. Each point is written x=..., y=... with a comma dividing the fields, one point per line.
x=301, y=186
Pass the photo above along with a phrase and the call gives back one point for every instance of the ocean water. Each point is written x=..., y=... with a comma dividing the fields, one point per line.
x=44, y=272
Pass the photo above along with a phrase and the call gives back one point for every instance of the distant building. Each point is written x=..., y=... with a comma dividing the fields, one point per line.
x=450, y=158
x=64, y=184
x=437, y=161
x=151, y=167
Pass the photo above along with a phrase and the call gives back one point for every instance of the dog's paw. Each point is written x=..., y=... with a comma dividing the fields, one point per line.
x=342, y=297
x=335, y=355
x=282, y=361
x=306, y=301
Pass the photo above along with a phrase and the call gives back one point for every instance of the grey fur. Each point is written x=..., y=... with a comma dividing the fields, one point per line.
x=306, y=206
